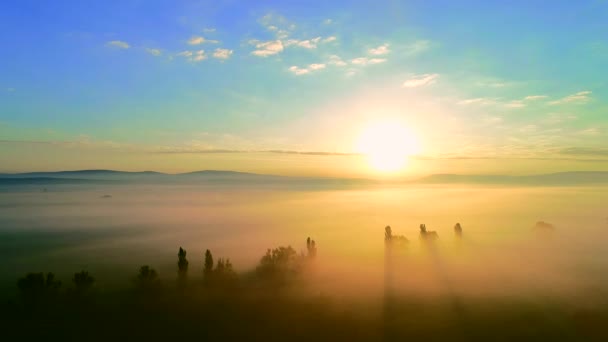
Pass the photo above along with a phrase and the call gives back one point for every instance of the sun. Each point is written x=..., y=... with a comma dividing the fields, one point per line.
x=387, y=145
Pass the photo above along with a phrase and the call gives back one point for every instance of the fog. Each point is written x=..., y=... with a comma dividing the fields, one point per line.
x=111, y=230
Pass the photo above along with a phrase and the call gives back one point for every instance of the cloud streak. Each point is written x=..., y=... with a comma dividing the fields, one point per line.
x=420, y=80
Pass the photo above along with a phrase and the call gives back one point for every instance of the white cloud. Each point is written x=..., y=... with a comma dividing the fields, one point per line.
x=185, y=53
x=337, y=61
x=198, y=56
x=515, y=104
x=580, y=97
x=222, y=53
x=298, y=71
x=310, y=68
x=209, y=30
x=350, y=73
x=534, y=97
x=327, y=21
x=307, y=44
x=194, y=56
x=153, y=52
x=417, y=47
x=380, y=50
x=478, y=100
x=365, y=61
x=197, y=40
x=329, y=39
x=420, y=80
x=265, y=49
x=118, y=44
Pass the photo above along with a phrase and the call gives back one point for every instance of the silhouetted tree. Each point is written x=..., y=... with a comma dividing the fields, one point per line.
x=35, y=288
x=279, y=264
x=208, y=269
x=83, y=281
x=427, y=235
x=182, y=266
x=311, y=247
x=147, y=278
x=388, y=233
x=458, y=230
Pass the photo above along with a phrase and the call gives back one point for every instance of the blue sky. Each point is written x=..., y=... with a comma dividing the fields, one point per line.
x=471, y=79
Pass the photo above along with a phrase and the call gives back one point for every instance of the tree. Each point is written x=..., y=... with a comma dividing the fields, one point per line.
x=35, y=287
x=182, y=265
x=147, y=278
x=208, y=270
x=311, y=247
x=83, y=281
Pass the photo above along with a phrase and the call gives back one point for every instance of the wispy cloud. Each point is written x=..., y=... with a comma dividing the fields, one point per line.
x=420, y=80
x=193, y=56
x=265, y=49
x=153, y=52
x=585, y=151
x=220, y=53
x=307, y=43
x=380, y=50
x=578, y=98
x=197, y=40
x=306, y=70
x=209, y=30
x=535, y=97
x=476, y=101
x=366, y=60
x=417, y=47
x=515, y=104
x=337, y=61
x=119, y=44
x=329, y=39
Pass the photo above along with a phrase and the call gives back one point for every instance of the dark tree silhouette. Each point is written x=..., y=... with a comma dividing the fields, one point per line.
x=208, y=269
x=427, y=235
x=147, y=278
x=182, y=265
x=458, y=230
x=388, y=233
x=83, y=281
x=35, y=288
x=279, y=265
x=311, y=247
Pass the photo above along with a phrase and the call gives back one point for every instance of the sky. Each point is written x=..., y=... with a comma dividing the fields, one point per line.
x=289, y=87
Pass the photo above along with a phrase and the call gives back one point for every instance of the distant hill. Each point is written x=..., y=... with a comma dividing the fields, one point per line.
x=552, y=179
x=219, y=177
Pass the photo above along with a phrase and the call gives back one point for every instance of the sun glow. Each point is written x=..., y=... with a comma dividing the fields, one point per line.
x=387, y=145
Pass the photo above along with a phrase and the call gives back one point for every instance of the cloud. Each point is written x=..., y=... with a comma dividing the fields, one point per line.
x=310, y=68
x=193, y=56
x=329, y=39
x=209, y=30
x=222, y=53
x=153, y=52
x=119, y=44
x=585, y=151
x=337, y=61
x=476, y=101
x=265, y=49
x=534, y=97
x=307, y=44
x=417, y=47
x=199, y=56
x=185, y=53
x=578, y=98
x=515, y=104
x=197, y=40
x=365, y=61
x=420, y=80
x=327, y=21
x=380, y=50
